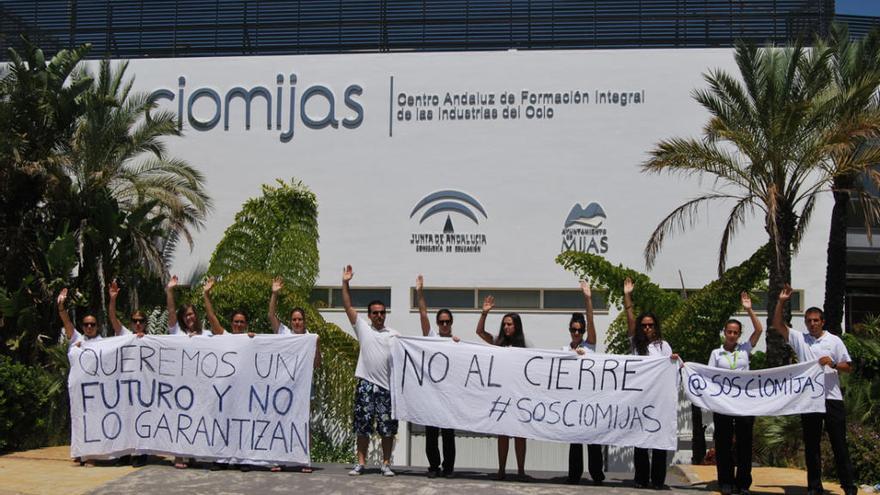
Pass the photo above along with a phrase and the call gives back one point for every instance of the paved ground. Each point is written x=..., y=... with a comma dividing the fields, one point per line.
x=51, y=471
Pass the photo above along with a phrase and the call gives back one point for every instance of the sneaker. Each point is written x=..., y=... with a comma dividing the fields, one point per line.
x=357, y=471
x=432, y=473
x=386, y=470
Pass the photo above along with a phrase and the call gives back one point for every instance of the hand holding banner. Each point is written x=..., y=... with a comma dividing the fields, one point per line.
x=795, y=389
x=536, y=393
x=231, y=397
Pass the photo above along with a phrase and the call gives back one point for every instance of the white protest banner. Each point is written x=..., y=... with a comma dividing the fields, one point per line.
x=536, y=393
x=226, y=397
x=795, y=389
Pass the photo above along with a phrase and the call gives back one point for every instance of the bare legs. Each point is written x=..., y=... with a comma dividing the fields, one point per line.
x=519, y=447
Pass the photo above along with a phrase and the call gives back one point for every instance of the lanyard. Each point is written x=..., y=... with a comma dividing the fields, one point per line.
x=732, y=363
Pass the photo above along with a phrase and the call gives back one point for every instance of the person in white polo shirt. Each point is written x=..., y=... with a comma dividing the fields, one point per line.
x=372, y=400
x=734, y=355
x=831, y=353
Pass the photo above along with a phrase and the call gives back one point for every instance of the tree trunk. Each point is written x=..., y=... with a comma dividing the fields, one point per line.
x=778, y=351
x=835, y=266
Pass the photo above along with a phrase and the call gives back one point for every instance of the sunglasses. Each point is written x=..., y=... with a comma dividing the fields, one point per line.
x=444, y=322
x=381, y=312
x=576, y=329
x=137, y=320
x=89, y=324
x=648, y=325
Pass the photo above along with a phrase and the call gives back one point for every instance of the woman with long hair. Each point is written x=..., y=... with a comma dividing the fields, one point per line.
x=582, y=345
x=433, y=433
x=646, y=339
x=181, y=321
x=510, y=334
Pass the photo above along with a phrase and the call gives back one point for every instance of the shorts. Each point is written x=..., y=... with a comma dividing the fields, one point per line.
x=372, y=402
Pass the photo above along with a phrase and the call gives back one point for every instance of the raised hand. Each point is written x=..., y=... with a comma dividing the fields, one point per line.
x=746, y=301
x=488, y=303
x=585, y=287
x=113, y=290
x=277, y=285
x=172, y=283
x=628, y=286
x=62, y=297
x=420, y=282
x=785, y=294
x=347, y=273
x=209, y=284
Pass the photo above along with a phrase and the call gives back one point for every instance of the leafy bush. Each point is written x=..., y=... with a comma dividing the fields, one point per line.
x=778, y=441
x=33, y=407
x=863, y=441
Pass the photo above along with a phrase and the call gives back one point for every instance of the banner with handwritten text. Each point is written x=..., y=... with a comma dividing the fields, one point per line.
x=795, y=389
x=540, y=394
x=227, y=397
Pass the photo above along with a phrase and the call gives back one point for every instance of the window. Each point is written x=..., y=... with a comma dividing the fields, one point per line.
x=554, y=300
x=331, y=297
x=512, y=299
x=759, y=300
x=447, y=298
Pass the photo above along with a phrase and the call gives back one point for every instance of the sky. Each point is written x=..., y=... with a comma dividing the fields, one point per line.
x=858, y=7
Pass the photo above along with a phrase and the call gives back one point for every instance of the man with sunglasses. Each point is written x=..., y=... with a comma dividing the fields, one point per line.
x=444, y=329
x=372, y=400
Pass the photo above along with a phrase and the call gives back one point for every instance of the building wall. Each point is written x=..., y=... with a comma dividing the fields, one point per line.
x=373, y=163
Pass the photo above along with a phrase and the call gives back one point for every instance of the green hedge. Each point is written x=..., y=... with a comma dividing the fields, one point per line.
x=33, y=407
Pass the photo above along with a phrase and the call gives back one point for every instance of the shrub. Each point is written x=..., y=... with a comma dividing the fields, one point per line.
x=33, y=407
x=863, y=441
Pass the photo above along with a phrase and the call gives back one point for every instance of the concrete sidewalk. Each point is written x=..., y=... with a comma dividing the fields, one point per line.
x=50, y=471
x=764, y=480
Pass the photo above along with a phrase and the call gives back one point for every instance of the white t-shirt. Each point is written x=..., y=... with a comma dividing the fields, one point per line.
x=809, y=348
x=374, y=360
x=736, y=360
x=124, y=331
x=77, y=337
x=432, y=332
x=175, y=330
x=657, y=348
x=285, y=330
x=584, y=345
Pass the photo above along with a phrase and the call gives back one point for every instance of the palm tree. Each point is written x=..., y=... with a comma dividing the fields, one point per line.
x=39, y=104
x=126, y=195
x=766, y=145
x=855, y=68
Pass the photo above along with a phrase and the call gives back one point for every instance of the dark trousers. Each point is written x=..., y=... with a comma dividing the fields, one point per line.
x=834, y=420
x=576, y=462
x=650, y=471
x=433, y=453
x=725, y=453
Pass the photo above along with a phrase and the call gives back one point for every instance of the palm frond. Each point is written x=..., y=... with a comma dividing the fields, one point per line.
x=678, y=220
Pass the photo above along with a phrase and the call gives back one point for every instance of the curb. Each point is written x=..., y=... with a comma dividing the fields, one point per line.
x=687, y=473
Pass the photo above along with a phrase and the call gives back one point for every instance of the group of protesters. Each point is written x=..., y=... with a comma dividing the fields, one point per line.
x=373, y=403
